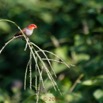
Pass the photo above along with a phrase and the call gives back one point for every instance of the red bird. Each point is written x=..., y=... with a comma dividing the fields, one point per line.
x=28, y=30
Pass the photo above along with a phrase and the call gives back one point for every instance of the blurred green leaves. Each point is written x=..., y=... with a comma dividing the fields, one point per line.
x=100, y=19
x=77, y=26
x=98, y=94
x=4, y=27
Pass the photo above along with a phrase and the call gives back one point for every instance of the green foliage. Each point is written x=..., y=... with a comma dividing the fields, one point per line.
x=73, y=29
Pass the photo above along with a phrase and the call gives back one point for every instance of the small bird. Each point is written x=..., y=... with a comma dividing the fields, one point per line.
x=27, y=31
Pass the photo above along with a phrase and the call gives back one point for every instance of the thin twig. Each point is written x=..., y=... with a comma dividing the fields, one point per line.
x=30, y=69
x=45, y=57
x=40, y=73
x=48, y=72
x=76, y=82
x=54, y=60
x=15, y=37
x=57, y=57
x=25, y=47
x=25, y=77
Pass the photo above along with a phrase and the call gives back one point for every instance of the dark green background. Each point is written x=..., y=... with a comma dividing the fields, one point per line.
x=73, y=29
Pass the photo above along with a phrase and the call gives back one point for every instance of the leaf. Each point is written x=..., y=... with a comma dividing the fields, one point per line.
x=100, y=18
x=5, y=26
x=98, y=94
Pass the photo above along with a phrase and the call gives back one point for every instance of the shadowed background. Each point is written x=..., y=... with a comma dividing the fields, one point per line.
x=73, y=29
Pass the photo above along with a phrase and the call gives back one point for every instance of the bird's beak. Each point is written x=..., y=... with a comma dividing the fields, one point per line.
x=35, y=27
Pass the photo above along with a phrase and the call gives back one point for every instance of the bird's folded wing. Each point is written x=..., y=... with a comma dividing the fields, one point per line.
x=20, y=33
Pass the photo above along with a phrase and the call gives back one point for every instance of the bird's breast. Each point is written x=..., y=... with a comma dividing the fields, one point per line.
x=28, y=32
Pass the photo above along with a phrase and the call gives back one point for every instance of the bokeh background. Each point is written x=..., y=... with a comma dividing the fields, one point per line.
x=73, y=29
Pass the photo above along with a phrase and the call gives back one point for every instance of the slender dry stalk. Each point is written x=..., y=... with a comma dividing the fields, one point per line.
x=43, y=52
x=76, y=82
x=29, y=66
x=15, y=37
x=35, y=57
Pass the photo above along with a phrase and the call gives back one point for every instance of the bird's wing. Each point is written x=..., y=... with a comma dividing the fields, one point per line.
x=20, y=33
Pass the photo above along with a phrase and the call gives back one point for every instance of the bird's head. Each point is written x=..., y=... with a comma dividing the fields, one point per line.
x=32, y=26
